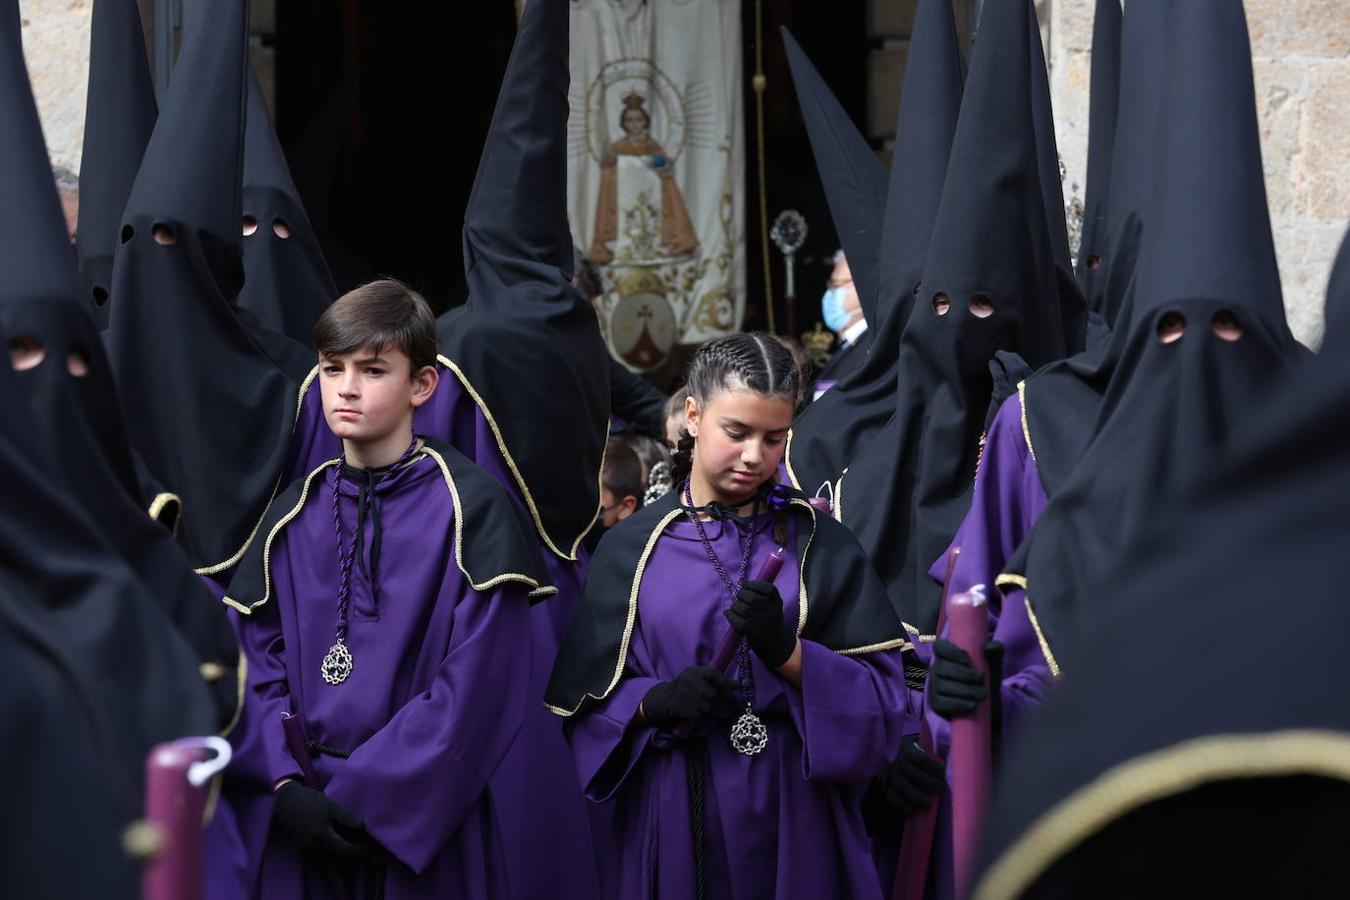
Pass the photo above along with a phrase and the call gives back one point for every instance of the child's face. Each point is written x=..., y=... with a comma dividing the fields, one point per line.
x=740, y=439
x=370, y=395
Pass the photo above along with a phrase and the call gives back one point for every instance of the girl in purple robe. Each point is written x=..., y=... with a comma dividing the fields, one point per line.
x=739, y=780
x=384, y=604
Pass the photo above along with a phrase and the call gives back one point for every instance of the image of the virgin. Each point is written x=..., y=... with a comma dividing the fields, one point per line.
x=634, y=170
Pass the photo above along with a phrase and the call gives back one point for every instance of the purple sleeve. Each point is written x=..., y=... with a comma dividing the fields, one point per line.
x=261, y=742
x=850, y=713
x=608, y=741
x=416, y=779
x=1007, y=500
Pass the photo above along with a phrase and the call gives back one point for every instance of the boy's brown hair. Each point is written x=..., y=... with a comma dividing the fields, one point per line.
x=384, y=314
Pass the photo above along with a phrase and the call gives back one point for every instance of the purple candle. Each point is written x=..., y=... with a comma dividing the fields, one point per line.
x=971, y=769
x=177, y=776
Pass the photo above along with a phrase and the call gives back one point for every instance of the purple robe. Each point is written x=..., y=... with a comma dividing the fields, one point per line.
x=1008, y=499
x=438, y=692
x=784, y=824
x=543, y=817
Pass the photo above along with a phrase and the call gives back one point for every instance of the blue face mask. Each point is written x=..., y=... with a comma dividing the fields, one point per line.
x=832, y=309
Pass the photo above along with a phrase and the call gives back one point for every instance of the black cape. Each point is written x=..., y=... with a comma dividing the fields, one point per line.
x=1103, y=107
x=825, y=438
x=527, y=346
x=906, y=493
x=846, y=608
x=286, y=281
x=119, y=115
x=1178, y=747
x=494, y=541
x=1169, y=410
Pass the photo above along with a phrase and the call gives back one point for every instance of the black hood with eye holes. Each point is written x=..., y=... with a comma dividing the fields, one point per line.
x=995, y=238
x=1169, y=410
x=831, y=431
x=287, y=284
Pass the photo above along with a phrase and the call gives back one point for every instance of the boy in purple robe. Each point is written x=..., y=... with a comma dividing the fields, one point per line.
x=737, y=779
x=384, y=604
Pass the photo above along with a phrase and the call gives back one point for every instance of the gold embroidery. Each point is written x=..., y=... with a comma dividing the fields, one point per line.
x=632, y=617
x=1165, y=773
x=515, y=472
x=893, y=644
x=923, y=638
x=1026, y=429
x=837, y=508
x=802, y=600
x=161, y=502
x=1009, y=579
x=267, y=545
x=248, y=541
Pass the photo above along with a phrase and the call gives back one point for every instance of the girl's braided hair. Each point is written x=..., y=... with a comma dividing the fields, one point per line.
x=746, y=361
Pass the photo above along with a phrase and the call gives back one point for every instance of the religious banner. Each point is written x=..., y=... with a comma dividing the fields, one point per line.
x=656, y=162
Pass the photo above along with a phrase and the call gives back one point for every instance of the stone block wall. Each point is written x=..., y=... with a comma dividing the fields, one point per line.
x=1301, y=63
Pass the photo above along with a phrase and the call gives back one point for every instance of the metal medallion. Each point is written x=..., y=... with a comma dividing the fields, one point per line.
x=748, y=735
x=337, y=663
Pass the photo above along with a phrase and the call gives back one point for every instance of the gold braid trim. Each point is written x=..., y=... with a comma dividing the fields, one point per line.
x=787, y=462
x=921, y=637
x=802, y=599
x=632, y=617
x=1040, y=636
x=571, y=555
x=271, y=535
x=894, y=644
x=162, y=502
x=837, y=508
x=533, y=584
x=1159, y=775
x=248, y=541
x=1026, y=429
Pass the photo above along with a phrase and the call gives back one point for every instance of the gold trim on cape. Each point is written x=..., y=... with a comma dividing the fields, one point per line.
x=515, y=471
x=1021, y=582
x=1159, y=775
x=1026, y=429
x=248, y=541
x=657, y=530
x=160, y=503
x=536, y=589
x=803, y=606
x=787, y=462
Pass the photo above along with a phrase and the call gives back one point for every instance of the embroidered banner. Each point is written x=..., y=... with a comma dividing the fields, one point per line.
x=656, y=162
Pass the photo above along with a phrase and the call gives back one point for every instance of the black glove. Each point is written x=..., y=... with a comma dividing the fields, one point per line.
x=910, y=782
x=757, y=613
x=955, y=687
x=697, y=694
x=316, y=824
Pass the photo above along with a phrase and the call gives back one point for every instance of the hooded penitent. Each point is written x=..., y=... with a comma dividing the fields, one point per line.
x=1174, y=751
x=1060, y=402
x=1103, y=104
x=61, y=579
x=992, y=282
x=833, y=428
x=286, y=281
x=119, y=116
x=1207, y=273
x=209, y=397
x=527, y=346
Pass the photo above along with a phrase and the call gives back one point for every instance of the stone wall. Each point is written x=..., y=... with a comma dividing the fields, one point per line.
x=1301, y=61
x=56, y=47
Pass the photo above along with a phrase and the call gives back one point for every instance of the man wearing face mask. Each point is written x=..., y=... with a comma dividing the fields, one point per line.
x=842, y=314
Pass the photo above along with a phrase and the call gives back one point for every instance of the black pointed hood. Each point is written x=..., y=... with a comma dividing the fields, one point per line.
x=1337, y=310
x=1170, y=410
x=833, y=428
x=287, y=284
x=77, y=412
x=853, y=177
x=1144, y=39
x=991, y=248
x=209, y=396
x=527, y=346
x=119, y=116
x=60, y=574
x=1103, y=105
x=1109, y=796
